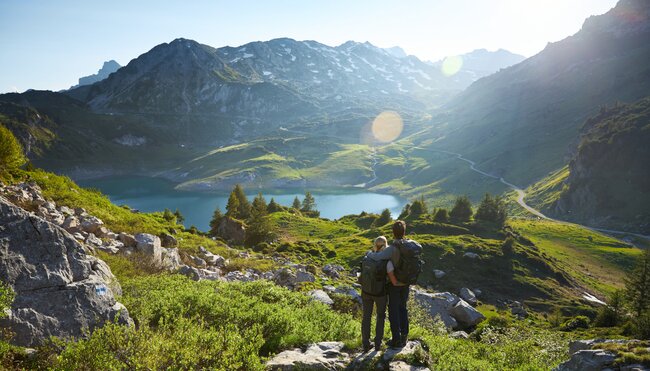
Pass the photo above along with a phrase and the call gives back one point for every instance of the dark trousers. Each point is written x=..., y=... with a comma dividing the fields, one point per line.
x=368, y=302
x=398, y=314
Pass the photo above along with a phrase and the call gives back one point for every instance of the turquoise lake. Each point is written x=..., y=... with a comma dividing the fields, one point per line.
x=155, y=194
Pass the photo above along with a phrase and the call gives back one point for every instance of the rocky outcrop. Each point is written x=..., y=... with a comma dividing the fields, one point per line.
x=149, y=244
x=232, y=230
x=453, y=311
x=588, y=355
x=60, y=289
x=468, y=295
x=319, y=356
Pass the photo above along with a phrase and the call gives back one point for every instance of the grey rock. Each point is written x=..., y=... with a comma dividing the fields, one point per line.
x=459, y=335
x=168, y=240
x=366, y=361
x=319, y=356
x=468, y=295
x=60, y=290
x=411, y=348
x=438, y=273
x=471, y=255
x=466, y=315
x=588, y=360
x=71, y=224
x=403, y=366
x=216, y=260
x=303, y=276
x=438, y=305
x=90, y=224
x=333, y=270
x=320, y=295
x=199, y=262
x=191, y=272
x=66, y=211
x=171, y=260
x=101, y=231
x=92, y=240
x=127, y=239
x=232, y=230
x=349, y=291
x=79, y=236
x=284, y=277
x=240, y=276
x=149, y=244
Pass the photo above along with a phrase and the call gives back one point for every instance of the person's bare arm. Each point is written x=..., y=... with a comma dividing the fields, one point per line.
x=393, y=280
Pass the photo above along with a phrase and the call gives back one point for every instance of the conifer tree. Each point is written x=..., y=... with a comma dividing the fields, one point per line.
x=232, y=207
x=259, y=227
x=259, y=205
x=406, y=210
x=637, y=285
x=383, y=219
x=462, y=210
x=244, y=206
x=273, y=206
x=492, y=209
x=217, y=216
x=296, y=203
x=418, y=207
x=179, y=217
x=309, y=203
x=441, y=216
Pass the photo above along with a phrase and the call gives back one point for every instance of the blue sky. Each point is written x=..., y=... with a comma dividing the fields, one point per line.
x=50, y=44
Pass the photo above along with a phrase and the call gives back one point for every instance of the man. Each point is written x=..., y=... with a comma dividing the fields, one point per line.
x=403, y=269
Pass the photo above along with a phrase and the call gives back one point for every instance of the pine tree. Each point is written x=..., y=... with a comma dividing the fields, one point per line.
x=217, y=216
x=492, y=209
x=406, y=210
x=244, y=206
x=273, y=206
x=179, y=217
x=462, y=210
x=383, y=219
x=441, y=216
x=11, y=152
x=296, y=203
x=309, y=203
x=169, y=216
x=637, y=285
x=259, y=227
x=232, y=207
x=418, y=207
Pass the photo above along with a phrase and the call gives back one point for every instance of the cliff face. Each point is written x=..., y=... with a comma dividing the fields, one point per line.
x=609, y=175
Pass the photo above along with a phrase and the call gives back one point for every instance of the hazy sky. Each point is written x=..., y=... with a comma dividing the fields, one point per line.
x=50, y=44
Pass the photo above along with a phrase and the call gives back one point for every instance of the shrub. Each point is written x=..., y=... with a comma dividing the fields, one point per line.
x=575, y=323
x=11, y=152
x=508, y=245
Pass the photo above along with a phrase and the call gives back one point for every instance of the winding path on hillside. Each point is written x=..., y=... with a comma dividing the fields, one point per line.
x=521, y=194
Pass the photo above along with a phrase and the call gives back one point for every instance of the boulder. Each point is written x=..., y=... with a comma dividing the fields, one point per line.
x=66, y=211
x=71, y=224
x=403, y=366
x=216, y=260
x=438, y=305
x=198, y=262
x=319, y=356
x=349, y=291
x=284, y=277
x=588, y=360
x=468, y=295
x=459, y=335
x=232, y=230
x=466, y=315
x=191, y=272
x=407, y=352
x=149, y=244
x=240, y=276
x=333, y=270
x=471, y=255
x=171, y=260
x=60, y=290
x=320, y=295
x=168, y=240
x=127, y=239
x=92, y=240
x=90, y=223
x=303, y=276
x=438, y=273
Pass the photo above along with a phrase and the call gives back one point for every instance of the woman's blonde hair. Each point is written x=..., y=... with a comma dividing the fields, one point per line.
x=383, y=240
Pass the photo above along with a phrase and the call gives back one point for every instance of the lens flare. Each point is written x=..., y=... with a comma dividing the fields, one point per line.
x=387, y=126
x=451, y=65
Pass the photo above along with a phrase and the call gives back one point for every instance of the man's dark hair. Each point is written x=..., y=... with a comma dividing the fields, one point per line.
x=399, y=229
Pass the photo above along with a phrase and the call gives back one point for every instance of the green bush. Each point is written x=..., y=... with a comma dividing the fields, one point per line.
x=11, y=152
x=575, y=323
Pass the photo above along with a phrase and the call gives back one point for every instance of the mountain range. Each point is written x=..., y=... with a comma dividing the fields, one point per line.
x=298, y=113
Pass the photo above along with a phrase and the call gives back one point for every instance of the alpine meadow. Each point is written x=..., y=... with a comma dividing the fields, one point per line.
x=294, y=204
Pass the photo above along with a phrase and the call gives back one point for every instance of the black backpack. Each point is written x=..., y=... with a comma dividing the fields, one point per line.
x=410, y=263
x=373, y=276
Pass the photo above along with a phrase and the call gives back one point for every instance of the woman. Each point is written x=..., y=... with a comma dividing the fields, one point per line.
x=373, y=293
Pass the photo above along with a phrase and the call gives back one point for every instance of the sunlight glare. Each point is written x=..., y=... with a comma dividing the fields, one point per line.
x=451, y=65
x=387, y=126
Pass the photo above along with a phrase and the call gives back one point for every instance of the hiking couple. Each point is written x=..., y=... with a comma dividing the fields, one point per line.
x=387, y=271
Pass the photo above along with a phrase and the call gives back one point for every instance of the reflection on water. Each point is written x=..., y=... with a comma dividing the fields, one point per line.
x=154, y=194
